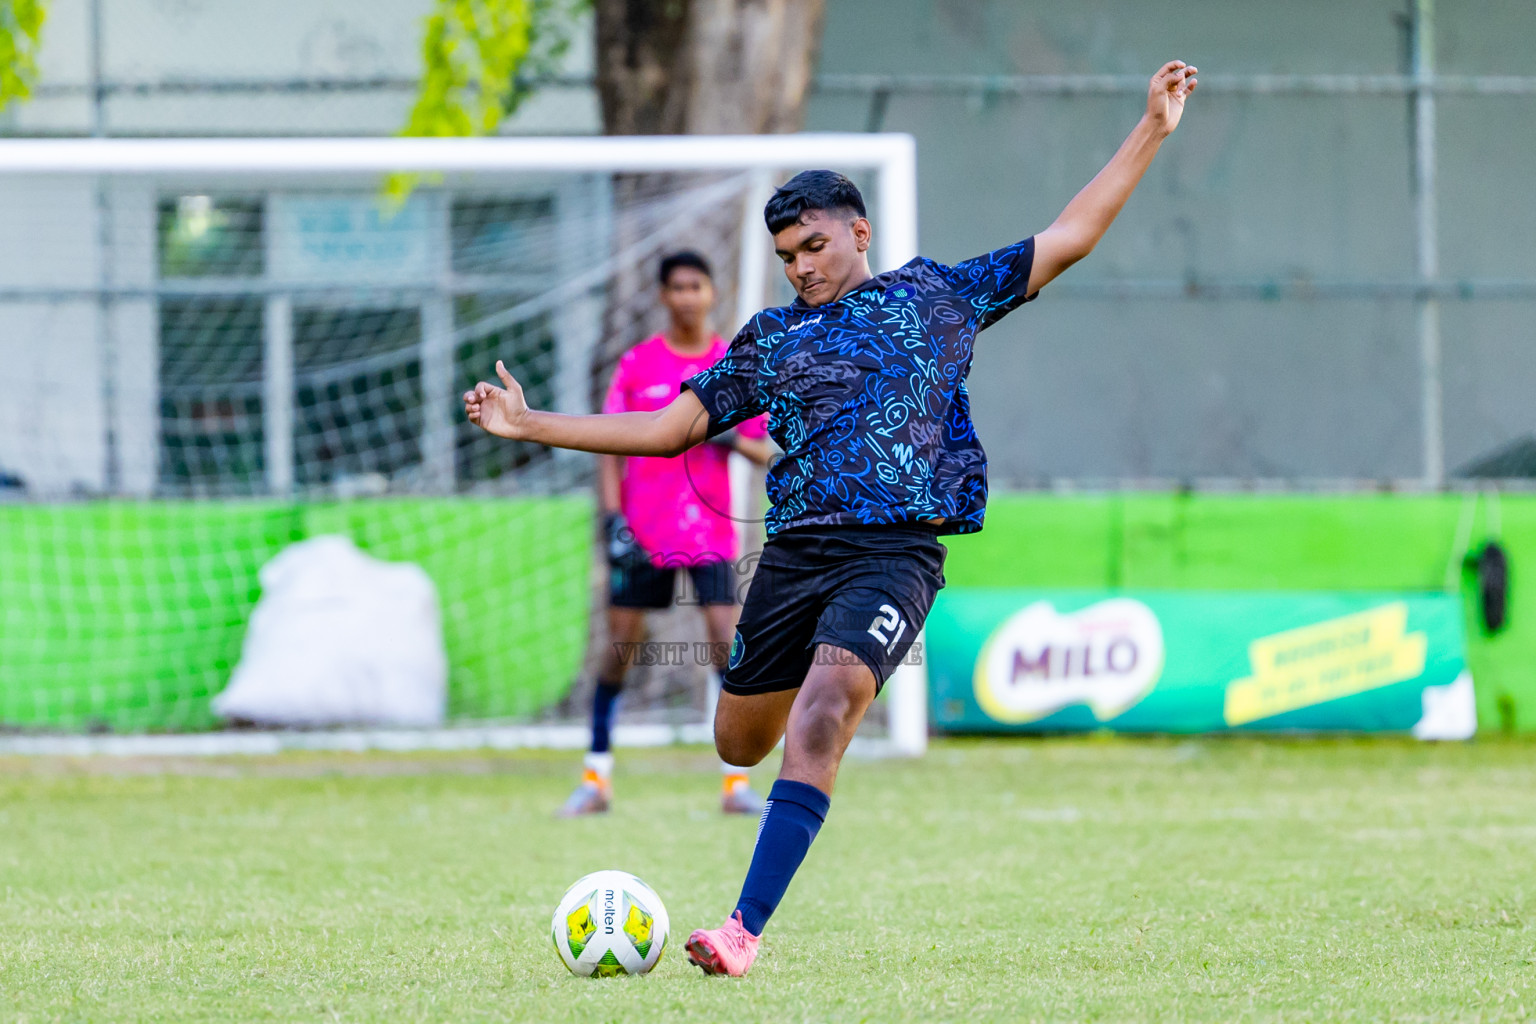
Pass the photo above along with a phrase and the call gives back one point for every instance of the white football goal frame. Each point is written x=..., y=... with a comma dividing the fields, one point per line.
x=889, y=157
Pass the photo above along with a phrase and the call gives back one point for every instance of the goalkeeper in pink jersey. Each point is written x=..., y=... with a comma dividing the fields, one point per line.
x=665, y=514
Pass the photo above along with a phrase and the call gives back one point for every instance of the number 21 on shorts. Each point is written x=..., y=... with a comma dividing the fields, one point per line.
x=888, y=619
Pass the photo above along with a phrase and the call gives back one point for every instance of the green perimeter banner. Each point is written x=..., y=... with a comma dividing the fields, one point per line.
x=1004, y=660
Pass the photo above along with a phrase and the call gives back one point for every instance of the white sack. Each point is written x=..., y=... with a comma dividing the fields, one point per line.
x=340, y=638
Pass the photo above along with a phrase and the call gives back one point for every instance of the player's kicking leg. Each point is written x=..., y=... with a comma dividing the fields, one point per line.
x=827, y=619
x=818, y=724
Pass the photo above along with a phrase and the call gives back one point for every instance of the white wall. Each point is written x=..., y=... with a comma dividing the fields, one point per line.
x=133, y=332
x=54, y=351
x=52, y=424
x=169, y=40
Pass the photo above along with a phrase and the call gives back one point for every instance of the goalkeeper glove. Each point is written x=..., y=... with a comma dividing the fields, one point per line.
x=621, y=539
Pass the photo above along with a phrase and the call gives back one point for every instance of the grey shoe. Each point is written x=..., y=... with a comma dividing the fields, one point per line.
x=742, y=799
x=593, y=796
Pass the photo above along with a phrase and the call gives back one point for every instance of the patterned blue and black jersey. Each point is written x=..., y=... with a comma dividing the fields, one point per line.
x=866, y=395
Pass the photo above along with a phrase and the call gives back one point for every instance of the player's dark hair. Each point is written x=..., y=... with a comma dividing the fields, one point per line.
x=810, y=191
x=686, y=258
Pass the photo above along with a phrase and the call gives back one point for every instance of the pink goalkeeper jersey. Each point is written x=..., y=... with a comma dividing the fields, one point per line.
x=679, y=508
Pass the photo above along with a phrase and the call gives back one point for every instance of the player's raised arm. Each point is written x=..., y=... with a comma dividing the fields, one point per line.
x=1080, y=226
x=504, y=411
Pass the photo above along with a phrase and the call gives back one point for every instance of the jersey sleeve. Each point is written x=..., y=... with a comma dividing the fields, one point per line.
x=731, y=391
x=618, y=388
x=996, y=283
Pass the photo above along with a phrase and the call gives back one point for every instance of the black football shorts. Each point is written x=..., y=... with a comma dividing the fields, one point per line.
x=862, y=590
x=636, y=583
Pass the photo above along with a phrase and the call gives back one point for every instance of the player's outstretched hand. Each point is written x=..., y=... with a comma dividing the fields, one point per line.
x=498, y=410
x=1171, y=86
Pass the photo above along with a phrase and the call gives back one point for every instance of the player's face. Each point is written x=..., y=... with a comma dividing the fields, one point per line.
x=824, y=254
x=688, y=296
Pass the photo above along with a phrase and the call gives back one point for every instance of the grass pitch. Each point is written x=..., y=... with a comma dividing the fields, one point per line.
x=1062, y=880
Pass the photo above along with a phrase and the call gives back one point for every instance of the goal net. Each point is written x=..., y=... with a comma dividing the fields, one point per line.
x=214, y=349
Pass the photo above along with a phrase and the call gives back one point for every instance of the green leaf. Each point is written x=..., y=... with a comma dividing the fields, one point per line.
x=21, y=33
x=482, y=58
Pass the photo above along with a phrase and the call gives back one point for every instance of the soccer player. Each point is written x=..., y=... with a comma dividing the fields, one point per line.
x=863, y=377
x=665, y=514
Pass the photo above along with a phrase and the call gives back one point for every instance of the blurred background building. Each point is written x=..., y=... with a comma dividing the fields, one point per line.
x=1272, y=256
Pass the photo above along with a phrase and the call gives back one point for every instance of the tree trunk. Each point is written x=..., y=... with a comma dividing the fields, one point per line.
x=675, y=67
x=750, y=65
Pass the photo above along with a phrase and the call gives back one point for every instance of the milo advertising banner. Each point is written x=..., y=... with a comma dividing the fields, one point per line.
x=1060, y=661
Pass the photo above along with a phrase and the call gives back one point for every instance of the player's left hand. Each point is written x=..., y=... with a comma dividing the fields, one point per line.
x=1171, y=86
x=499, y=411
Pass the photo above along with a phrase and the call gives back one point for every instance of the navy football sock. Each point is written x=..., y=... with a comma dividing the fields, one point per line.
x=603, y=699
x=791, y=820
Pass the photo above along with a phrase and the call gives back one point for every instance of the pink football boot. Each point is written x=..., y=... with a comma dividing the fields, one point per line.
x=729, y=949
